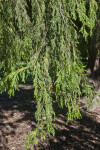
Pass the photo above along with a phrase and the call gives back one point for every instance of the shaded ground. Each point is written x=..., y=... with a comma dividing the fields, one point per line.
x=17, y=120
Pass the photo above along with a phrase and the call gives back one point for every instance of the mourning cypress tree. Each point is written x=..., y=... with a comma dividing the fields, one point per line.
x=41, y=38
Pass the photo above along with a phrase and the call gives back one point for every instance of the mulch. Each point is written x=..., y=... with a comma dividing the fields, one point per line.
x=17, y=120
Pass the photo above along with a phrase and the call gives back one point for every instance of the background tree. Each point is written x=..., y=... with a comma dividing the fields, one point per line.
x=42, y=39
x=94, y=50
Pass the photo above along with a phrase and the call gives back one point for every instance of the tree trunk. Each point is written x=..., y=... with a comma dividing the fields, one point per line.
x=94, y=54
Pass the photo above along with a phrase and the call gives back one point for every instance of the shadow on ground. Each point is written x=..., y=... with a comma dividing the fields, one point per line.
x=17, y=120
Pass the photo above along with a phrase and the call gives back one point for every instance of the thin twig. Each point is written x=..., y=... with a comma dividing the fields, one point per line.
x=61, y=12
x=42, y=45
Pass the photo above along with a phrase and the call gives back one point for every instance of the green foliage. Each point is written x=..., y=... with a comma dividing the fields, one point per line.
x=41, y=38
x=31, y=140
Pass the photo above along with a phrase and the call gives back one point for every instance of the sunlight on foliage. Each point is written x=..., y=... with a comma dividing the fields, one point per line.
x=41, y=38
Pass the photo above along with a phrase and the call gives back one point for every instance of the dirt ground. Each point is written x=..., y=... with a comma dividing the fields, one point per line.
x=17, y=120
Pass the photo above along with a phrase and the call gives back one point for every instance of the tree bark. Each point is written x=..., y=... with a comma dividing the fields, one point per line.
x=94, y=53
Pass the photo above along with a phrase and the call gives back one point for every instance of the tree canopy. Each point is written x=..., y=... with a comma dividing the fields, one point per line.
x=42, y=39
